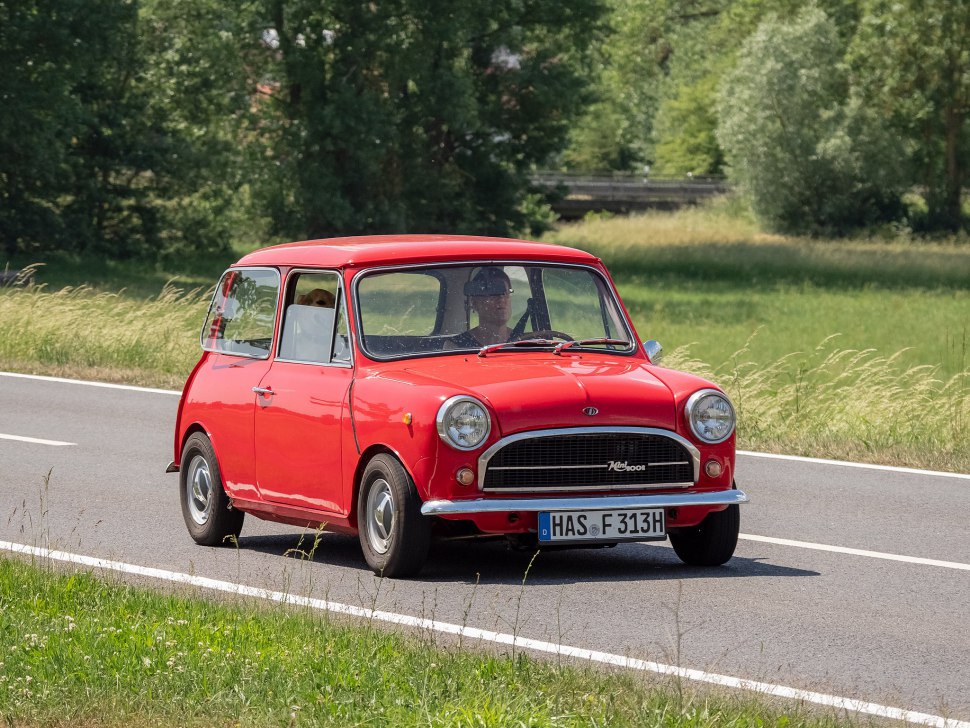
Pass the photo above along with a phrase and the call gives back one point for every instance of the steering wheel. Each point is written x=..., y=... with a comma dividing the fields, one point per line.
x=544, y=334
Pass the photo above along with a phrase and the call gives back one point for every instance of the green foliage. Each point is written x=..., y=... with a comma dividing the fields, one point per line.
x=39, y=51
x=910, y=61
x=414, y=115
x=105, y=145
x=810, y=160
x=685, y=131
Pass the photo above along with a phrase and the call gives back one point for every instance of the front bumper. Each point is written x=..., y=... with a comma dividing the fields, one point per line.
x=527, y=505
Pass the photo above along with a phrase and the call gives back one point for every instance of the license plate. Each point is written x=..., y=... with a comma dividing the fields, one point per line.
x=628, y=524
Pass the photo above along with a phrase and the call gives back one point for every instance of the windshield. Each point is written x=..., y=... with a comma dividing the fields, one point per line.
x=418, y=311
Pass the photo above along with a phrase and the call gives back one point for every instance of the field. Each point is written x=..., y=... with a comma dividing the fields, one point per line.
x=852, y=349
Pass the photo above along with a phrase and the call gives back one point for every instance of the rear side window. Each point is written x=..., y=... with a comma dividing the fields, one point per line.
x=314, y=328
x=243, y=313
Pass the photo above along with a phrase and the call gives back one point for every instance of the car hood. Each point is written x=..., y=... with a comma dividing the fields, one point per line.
x=529, y=391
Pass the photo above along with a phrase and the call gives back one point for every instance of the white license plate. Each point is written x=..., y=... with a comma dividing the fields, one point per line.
x=627, y=524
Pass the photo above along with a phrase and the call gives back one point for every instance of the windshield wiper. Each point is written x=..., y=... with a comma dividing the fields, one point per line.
x=588, y=342
x=486, y=350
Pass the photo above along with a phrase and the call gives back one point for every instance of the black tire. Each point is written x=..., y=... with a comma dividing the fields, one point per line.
x=394, y=536
x=206, y=508
x=712, y=541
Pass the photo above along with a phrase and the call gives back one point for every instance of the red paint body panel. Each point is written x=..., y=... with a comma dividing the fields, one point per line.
x=305, y=420
x=296, y=456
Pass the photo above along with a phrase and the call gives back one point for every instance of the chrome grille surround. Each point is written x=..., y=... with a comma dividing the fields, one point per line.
x=682, y=457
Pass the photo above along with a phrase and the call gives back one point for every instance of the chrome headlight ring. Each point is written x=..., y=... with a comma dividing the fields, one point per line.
x=463, y=422
x=710, y=416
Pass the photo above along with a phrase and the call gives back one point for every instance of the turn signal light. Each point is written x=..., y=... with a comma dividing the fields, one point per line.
x=713, y=468
x=465, y=476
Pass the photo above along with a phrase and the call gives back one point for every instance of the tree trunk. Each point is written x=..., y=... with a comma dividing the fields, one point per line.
x=952, y=212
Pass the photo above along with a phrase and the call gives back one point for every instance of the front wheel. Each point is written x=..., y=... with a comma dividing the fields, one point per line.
x=712, y=541
x=394, y=536
x=208, y=514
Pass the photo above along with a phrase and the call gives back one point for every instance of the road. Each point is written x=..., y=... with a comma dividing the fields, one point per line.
x=892, y=632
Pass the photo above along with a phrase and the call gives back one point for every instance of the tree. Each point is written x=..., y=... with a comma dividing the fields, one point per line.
x=811, y=160
x=910, y=60
x=40, y=46
x=411, y=115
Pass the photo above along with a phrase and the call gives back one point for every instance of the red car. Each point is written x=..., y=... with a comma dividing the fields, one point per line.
x=410, y=387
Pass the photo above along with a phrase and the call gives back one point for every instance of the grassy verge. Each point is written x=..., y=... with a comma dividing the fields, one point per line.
x=77, y=651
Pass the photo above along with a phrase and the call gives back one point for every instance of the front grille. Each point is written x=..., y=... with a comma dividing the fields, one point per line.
x=589, y=461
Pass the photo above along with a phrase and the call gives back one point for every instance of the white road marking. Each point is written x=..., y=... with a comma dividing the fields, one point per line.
x=105, y=385
x=36, y=440
x=855, y=552
x=781, y=691
x=844, y=464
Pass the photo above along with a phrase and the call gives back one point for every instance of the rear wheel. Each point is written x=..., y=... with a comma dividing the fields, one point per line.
x=712, y=541
x=206, y=508
x=394, y=536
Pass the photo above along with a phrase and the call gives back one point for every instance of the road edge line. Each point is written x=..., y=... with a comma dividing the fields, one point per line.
x=847, y=464
x=606, y=658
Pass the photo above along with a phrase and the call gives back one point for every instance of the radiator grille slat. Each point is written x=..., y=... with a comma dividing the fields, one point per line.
x=599, y=461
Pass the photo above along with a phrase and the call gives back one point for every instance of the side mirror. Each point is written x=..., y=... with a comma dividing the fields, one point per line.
x=653, y=350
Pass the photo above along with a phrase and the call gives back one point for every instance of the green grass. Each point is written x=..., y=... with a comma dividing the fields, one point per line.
x=706, y=277
x=75, y=650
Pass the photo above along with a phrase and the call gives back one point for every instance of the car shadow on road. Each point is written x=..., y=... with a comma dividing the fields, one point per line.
x=492, y=562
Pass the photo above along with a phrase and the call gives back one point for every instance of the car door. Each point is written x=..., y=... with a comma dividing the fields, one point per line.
x=238, y=333
x=302, y=406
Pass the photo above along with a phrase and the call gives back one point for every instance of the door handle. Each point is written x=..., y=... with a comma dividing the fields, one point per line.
x=264, y=391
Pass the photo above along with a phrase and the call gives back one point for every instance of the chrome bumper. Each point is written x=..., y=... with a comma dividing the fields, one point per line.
x=502, y=505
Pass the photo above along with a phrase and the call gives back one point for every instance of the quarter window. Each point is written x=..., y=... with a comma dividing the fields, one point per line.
x=242, y=314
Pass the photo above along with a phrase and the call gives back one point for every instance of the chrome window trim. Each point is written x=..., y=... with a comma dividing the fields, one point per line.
x=599, y=503
x=692, y=400
x=486, y=456
x=359, y=334
x=343, y=297
x=272, y=339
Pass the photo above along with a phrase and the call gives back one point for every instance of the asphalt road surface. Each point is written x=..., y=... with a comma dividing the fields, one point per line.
x=892, y=632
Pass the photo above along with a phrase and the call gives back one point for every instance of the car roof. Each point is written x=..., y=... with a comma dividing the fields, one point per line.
x=401, y=249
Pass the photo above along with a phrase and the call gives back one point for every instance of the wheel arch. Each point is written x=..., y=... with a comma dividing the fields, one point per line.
x=365, y=457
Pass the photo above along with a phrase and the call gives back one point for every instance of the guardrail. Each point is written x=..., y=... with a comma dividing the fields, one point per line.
x=625, y=193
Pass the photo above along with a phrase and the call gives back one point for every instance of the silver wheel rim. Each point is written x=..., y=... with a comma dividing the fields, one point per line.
x=198, y=490
x=379, y=518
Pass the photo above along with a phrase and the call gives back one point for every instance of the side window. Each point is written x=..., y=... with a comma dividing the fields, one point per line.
x=314, y=322
x=243, y=311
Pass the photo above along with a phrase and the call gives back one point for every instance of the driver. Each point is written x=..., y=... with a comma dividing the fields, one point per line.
x=488, y=293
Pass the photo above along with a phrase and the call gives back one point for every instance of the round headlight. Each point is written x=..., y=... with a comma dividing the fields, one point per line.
x=710, y=416
x=463, y=422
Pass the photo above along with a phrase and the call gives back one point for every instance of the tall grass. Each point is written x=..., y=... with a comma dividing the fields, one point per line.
x=77, y=331
x=846, y=404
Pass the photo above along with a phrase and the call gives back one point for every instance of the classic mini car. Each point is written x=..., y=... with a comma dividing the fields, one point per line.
x=405, y=388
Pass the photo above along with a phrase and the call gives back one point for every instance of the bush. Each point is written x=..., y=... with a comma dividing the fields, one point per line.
x=812, y=158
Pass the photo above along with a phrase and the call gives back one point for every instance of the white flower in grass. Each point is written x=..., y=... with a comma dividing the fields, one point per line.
x=146, y=661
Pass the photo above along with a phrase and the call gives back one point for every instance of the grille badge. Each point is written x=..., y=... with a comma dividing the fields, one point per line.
x=591, y=411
